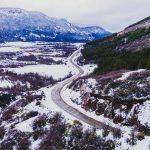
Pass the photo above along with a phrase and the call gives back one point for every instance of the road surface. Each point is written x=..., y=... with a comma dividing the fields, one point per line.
x=58, y=100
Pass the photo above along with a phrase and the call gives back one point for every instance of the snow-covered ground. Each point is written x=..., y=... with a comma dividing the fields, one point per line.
x=142, y=145
x=127, y=74
x=88, y=68
x=15, y=46
x=48, y=107
x=5, y=83
x=56, y=71
x=74, y=99
x=18, y=44
x=144, y=113
x=9, y=49
x=68, y=95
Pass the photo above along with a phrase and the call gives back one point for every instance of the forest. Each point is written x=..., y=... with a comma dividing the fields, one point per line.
x=106, y=54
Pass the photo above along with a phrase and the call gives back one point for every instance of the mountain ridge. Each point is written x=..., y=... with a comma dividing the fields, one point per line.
x=31, y=26
x=144, y=23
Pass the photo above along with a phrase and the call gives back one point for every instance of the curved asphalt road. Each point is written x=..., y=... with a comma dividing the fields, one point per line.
x=58, y=100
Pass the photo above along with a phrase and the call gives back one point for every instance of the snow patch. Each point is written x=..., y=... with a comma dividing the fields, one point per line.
x=56, y=71
x=127, y=74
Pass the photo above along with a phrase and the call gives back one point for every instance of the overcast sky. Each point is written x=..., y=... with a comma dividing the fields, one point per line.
x=113, y=15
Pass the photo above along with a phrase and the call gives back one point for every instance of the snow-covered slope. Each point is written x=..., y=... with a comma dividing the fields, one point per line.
x=19, y=24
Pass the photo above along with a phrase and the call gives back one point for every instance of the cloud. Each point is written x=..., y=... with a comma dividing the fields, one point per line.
x=113, y=15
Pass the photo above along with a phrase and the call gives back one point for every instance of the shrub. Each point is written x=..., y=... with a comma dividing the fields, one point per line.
x=23, y=144
x=2, y=132
x=117, y=133
x=5, y=99
x=55, y=138
x=77, y=122
x=140, y=136
x=8, y=114
x=39, y=132
x=16, y=139
x=30, y=115
x=105, y=131
x=40, y=122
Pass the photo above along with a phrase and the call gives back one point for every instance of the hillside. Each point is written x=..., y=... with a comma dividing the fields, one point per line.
x=129, y=49
x=35, y=26
x=118, y=92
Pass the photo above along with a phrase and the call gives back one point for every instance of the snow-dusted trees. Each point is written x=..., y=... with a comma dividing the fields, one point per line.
x=72, y=137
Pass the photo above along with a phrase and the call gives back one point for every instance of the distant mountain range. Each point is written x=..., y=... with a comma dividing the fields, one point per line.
x=21, y=25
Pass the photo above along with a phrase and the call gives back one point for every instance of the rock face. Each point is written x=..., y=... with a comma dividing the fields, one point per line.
x=18, y=24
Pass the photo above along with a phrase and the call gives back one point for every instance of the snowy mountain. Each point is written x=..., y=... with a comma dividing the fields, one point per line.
x=19, y=24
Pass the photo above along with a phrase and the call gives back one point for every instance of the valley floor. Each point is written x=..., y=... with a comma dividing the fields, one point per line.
x=35, y=79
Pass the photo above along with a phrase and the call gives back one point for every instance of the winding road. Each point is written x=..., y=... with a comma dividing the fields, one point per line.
x=58, y=100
